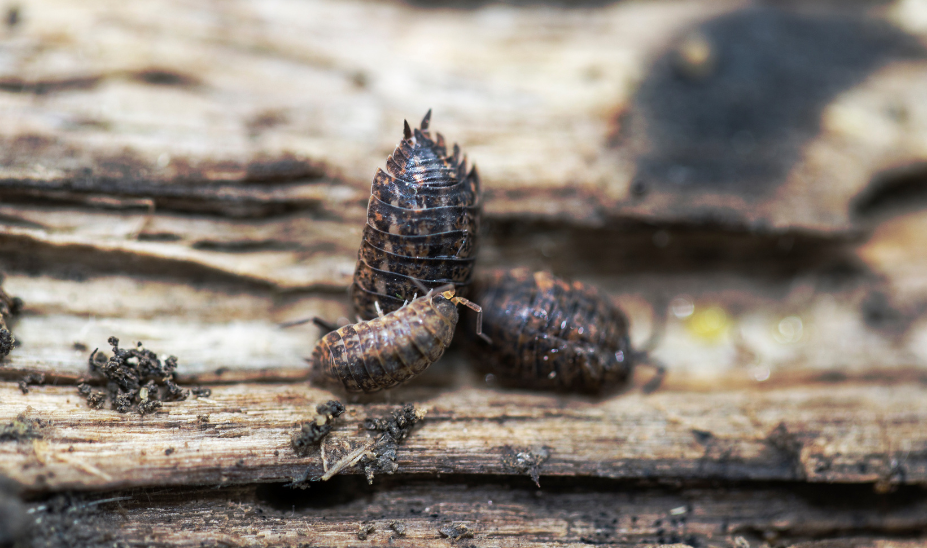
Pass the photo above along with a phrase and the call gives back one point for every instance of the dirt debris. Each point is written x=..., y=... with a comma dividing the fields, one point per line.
x=9, y=307
x=311, y=433
x=23, y=428
x=31, y=379
x=456, y=531
x=382, y=456
x=136, y=380
x=364, y=530
x=379, y=454
x=398, y=528
x=527, y=462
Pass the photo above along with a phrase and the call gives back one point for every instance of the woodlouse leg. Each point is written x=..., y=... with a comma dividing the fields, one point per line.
x=479, y=316
x=376, y=305
x=425, y=291
x=327, y=326
x=294, y=323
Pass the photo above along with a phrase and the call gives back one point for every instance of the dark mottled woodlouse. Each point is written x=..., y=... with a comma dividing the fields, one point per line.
x=422, y=223
x=551, y=334
x=390, y=349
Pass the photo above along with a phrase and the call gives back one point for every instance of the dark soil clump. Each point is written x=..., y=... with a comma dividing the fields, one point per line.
x=31, y=379
x=382, y=457
x=311, y=433
x=136, y=380
x=9, y=307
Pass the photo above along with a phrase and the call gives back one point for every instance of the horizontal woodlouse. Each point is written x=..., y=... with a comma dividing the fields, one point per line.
x=422, y=224
x=390, y=349
x=551, y=334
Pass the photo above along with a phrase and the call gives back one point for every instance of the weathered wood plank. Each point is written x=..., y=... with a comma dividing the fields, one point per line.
x=498, y=514
x=241, y=434
x=563, y=108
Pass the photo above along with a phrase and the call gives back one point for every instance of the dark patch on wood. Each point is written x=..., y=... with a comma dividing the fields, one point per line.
x=630, y=248
x=166, y=77
x=13, y=520
x=249, y=246
x=13, y=16
x=264, y=121
x=790, y=445
x=739, y=128
x=44, y=87
x=894, y=191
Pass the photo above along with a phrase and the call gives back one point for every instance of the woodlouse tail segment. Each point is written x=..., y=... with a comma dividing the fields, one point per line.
x=406, y=130
x=474, y=307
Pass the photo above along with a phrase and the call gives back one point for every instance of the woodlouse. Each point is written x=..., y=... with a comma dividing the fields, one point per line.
x=390, y=349
x=422, y=223
x=551, y=334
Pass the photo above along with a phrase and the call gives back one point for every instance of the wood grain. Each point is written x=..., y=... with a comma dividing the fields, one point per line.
x=497, y=513
x=241, y=434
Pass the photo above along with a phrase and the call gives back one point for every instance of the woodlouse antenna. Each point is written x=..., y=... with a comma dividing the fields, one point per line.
x=479, y=315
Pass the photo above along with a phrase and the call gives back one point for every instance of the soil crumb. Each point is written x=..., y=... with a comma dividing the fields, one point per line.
x=22, y=428
x=365, y=530
x=399, y=528
x=526, y=462
x=136, y=380
x=9, y=307
x=456, y=531
x=311, y=433
x=382, y=456
x=31, y=379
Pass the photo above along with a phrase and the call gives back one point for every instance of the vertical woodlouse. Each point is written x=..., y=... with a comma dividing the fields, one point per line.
x=388, y=350
x=551, y=334
x=422, y=224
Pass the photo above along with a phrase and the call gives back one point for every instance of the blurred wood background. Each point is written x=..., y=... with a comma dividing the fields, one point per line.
x=752, y=177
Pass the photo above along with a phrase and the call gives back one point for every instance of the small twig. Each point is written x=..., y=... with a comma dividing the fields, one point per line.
x=348, y=460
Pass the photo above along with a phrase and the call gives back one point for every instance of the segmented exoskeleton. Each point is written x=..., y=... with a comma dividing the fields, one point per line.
x=551, y=334
x=389, y=349
x=422, y=223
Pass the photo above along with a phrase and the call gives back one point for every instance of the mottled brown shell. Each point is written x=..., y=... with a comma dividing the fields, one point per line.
x=386, y=351
x=551, y=334
x=422, y=223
